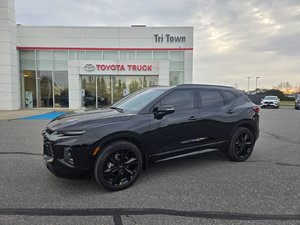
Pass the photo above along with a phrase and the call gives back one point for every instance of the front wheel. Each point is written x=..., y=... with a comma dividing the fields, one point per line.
x=118, y=165
x=241, y=144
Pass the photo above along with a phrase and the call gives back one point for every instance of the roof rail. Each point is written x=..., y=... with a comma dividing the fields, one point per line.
x=203, y=85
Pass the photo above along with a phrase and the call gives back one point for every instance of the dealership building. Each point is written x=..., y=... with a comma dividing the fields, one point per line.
x=75, y=67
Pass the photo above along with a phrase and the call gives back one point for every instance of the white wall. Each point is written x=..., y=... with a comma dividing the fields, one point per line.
x=9, y=75
x=102, y=37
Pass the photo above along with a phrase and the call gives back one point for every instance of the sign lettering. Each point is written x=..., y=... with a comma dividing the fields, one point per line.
x=160, y=38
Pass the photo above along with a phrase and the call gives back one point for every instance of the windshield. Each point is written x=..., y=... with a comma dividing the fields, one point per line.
x=270, y=98
x=138, y=100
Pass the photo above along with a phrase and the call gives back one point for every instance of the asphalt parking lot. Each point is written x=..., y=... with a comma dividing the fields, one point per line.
x=207, y=189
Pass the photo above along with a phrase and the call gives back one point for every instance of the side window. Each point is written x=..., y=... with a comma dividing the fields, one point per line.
x=180, y=99
x=211, y=98
x=229, y=96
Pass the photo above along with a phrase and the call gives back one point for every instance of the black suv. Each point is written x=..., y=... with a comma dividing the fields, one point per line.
x=151, y=125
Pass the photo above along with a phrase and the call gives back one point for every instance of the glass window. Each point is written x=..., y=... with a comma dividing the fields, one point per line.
x=94, y=55
x=73, y=55
x=176, y=55
x=127, y=54
x=45, y=64
x=143, y=54
x=45, y=88
x=176, y=78
x=27, y=64
x=138, y=100
x=81, y=54
x=88, y=83
x=211, y=98
x=60, y=55
x=229, y=96
x=61, y=91
x=60, y=65
x=180, y=99
x=150, y=81
x=77, y=55
x=161, y=55
x=176, y=66
x=44, y=55
x=104, y=91
x=29, y=88
x=110, y=55
x=27, y=55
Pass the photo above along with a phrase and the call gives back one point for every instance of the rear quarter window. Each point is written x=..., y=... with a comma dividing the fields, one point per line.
x=229, y=96
x=211, y=98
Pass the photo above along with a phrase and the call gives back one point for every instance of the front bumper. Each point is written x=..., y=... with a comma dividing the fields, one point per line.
x=61, y=170
x=53, y=154
x=269, y=104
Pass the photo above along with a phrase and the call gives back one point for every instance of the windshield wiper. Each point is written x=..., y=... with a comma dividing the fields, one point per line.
x=118, y=109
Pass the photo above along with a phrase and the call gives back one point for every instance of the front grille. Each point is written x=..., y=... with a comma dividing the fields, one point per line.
x=48, y=149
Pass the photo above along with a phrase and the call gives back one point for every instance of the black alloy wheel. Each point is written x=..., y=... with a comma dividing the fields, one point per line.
x=118, y=165
x=241, y=144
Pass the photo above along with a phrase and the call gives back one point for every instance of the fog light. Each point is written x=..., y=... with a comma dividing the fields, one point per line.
x=68, y=155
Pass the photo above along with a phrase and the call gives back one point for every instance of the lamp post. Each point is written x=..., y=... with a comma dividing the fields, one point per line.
x=256, y=84
x=248, y=84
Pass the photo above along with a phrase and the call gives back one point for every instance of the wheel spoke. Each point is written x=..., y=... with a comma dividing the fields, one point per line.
x=129, y=171
x=113, y=160
x=108, y=172
x=131, y=161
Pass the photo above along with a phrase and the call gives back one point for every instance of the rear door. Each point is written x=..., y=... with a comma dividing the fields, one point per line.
x=216, y=119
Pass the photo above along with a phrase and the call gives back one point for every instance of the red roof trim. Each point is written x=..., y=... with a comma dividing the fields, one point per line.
x=97, y=49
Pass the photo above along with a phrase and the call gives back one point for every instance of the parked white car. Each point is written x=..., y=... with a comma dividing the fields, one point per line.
x=270, y=101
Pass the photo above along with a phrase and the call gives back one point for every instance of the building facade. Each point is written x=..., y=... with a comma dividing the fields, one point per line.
x=75, y=67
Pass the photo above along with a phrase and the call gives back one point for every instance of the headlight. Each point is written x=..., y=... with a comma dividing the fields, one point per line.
x=68, y=155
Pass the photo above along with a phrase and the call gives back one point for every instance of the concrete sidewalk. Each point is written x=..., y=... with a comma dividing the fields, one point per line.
x=15, y=114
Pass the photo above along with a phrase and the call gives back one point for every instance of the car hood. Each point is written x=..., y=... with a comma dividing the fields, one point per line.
x=83, y=120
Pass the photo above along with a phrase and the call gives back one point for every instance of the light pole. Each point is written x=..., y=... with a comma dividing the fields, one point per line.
x=256, y=84
x=248, y=84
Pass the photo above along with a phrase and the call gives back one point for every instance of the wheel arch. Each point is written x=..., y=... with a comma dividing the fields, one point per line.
x=126, y=136
x=249, y=124
x=131, y=137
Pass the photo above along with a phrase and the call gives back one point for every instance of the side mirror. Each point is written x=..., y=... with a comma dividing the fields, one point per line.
x=161, y=111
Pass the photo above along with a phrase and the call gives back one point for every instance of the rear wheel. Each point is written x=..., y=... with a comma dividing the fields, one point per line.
x=118, y=165
x=241, y=144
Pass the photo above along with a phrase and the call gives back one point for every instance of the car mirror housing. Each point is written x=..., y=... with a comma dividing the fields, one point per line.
x=161, y=111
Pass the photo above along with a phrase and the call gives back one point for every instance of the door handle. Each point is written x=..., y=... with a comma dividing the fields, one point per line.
x=192, y=118
x=230, y=111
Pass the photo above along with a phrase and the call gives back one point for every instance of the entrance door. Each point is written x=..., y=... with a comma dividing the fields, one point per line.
x=45, y=88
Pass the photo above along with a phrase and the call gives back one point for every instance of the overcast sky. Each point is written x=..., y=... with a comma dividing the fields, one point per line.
x=232, y=39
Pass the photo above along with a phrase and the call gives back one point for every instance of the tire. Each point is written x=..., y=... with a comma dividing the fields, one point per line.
x=241, y=144
x=118, y=165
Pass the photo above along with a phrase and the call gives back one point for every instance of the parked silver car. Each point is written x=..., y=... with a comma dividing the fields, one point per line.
x=270, y=101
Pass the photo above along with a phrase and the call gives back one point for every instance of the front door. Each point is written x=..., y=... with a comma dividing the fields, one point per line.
x=178, y=131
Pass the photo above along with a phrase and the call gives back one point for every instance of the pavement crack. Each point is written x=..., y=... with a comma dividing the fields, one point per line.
x=281, y=138
x=116, y=213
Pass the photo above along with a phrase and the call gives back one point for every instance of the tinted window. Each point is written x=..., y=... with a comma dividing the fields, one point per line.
x=138, y=100
x=180, y=99
x=211, y=98
x=229, y=96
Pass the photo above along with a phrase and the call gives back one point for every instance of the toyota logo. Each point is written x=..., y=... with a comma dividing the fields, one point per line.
x=89, y=67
